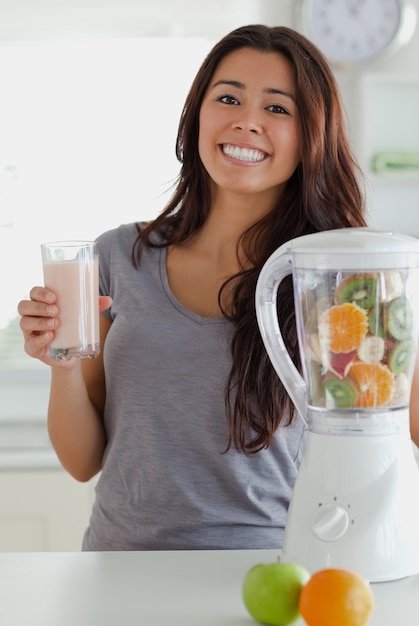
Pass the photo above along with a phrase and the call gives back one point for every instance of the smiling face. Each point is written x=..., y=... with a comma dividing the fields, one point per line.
x=248, y=133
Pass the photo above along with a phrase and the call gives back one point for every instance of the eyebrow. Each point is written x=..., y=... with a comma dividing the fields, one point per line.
x=239, y=85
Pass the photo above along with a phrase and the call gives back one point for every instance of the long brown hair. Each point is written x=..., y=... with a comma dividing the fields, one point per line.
x=322, y=194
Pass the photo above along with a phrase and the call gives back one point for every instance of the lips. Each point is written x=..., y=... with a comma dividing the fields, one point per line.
x=248, y=155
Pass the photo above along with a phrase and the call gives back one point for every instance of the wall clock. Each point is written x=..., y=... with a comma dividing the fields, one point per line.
x=356, y=31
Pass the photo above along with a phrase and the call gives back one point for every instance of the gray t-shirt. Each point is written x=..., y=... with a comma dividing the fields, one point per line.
x=167, y=482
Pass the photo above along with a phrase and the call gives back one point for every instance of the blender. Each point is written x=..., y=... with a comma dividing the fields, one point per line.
x=355, y=502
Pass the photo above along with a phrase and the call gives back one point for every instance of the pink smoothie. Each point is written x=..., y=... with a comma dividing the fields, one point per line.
x=77, y=287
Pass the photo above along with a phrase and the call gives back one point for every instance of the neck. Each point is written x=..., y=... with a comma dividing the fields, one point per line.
x=230, y=216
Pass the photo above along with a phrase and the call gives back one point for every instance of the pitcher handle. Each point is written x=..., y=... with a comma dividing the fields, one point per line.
x=276, y=268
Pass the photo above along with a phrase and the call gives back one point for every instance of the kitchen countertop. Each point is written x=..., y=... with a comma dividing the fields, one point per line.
x=178, y=588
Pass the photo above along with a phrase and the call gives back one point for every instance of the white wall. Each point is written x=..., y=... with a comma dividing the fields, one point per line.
x=393, y=203
x=23, y=21
x=38, y=20
x=376, y=98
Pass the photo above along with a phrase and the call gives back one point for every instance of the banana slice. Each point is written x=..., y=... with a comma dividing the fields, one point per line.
x=393, y=285
x=372, y=349
x=401, y=391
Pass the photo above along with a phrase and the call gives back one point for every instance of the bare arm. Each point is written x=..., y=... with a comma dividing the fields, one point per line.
x=77, y=393
x=414, y=405
x=75, y=414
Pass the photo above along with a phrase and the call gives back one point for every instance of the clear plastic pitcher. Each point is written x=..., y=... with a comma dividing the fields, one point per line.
x=356, y=294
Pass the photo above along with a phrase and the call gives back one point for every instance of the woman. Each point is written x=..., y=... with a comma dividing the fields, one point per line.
x=183, y=415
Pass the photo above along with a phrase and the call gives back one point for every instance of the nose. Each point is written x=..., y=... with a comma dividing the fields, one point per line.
x=248, y=121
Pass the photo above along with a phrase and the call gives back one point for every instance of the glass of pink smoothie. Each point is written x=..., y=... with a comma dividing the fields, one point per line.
x=71, y=270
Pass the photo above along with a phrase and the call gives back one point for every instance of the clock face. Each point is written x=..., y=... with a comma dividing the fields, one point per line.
x=353, y=31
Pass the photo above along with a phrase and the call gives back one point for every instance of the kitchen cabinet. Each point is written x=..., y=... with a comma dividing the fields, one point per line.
x=43, y=510
x=387, y=126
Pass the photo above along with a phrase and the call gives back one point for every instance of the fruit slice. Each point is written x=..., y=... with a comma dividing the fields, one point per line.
x=393, y=284
x=372, y=349
x=375, y=383
x=399, y=318
x=376, y=321
x=400, y=358
x=360, y=289
x=340, y=362
x=401, y=391
x=338, y=394
x=315, y=375
x=343, y=327
x=315, y=348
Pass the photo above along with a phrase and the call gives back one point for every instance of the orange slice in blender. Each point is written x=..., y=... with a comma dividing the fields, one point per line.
x=375, y=383
x=342, y=327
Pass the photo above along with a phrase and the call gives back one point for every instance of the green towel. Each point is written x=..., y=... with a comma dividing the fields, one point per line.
x=395, y=161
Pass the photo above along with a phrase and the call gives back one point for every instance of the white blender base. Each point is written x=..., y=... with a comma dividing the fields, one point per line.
x=356, y=505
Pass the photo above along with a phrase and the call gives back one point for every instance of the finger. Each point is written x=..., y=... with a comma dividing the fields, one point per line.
x=104, y=303
x=35, y=308
x=30, y=324
x=42, y=294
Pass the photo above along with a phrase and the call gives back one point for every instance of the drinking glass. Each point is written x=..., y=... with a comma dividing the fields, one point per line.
x=71, y=270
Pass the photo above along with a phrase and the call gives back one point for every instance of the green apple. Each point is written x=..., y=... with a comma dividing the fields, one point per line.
x=271, y=592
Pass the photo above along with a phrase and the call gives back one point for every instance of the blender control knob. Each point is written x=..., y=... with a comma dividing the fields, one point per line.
x=331, y=521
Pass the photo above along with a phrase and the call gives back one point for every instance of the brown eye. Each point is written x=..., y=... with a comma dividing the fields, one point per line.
x=277, y=108
x=228, y=100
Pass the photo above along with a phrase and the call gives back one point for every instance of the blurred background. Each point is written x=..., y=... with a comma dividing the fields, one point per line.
x=91, y=94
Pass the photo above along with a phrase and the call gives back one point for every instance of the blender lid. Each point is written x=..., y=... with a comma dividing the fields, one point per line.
x=354, y=248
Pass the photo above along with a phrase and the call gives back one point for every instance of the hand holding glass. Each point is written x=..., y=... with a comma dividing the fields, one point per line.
x=71, y=270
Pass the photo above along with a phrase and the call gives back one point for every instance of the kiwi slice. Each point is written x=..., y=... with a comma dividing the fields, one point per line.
x=401, y=356
x=338, y=394
x=360, y=289
x=399, y=318
x=316, y=376
x=376, y=321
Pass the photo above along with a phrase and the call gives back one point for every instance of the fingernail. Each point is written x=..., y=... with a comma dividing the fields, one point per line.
x=51, y=309
x=49, y=296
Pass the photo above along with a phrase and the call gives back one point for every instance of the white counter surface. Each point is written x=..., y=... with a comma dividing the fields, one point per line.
x=153, y=589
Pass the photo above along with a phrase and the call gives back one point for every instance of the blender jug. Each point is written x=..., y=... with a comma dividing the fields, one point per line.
x=355, y=502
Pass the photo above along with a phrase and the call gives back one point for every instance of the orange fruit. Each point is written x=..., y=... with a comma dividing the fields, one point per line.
x=375, y=383
x=343, y=327
x=336, y=597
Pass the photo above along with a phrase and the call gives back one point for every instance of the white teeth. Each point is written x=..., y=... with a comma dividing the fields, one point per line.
x=243, y=154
